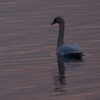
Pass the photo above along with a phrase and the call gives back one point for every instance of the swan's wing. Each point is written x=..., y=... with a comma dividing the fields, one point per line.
x=68, y=48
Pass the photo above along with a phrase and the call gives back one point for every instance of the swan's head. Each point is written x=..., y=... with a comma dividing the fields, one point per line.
x=57, y=20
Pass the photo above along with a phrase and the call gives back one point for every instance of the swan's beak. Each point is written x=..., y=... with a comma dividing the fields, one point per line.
x=52, y=23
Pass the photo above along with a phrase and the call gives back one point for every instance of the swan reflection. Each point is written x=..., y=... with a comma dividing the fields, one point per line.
x=60, y=82
x=60, y=78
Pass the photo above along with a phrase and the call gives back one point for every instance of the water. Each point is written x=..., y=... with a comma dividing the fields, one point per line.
x=28, y=62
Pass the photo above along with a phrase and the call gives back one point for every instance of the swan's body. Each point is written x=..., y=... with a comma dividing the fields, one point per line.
x=68, y=50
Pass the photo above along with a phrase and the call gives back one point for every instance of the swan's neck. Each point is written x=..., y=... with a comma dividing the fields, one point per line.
x=61, y=34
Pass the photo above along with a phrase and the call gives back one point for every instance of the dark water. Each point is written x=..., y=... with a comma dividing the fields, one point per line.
x=28, y=62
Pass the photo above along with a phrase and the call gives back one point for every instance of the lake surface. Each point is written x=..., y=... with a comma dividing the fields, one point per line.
x=28, y=62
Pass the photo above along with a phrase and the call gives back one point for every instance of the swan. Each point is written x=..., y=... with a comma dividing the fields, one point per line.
x=66, y=50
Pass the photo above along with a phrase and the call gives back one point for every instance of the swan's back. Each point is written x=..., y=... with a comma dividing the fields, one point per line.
x=68, y=49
